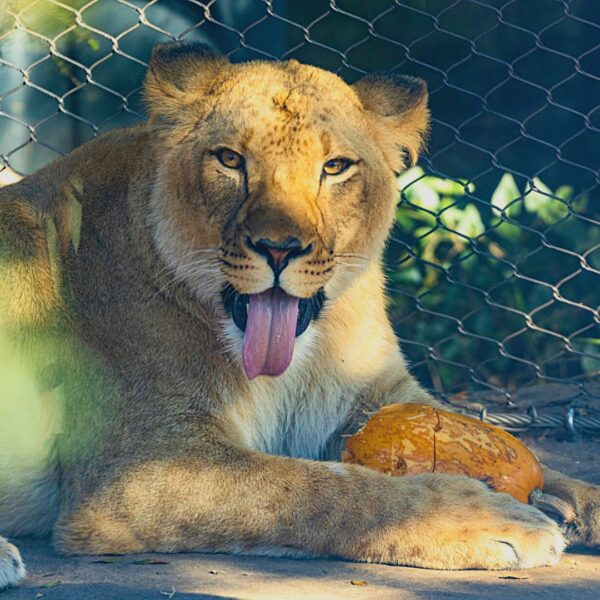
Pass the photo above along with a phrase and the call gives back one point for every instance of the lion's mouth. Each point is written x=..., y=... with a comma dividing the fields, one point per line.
x=271, y=321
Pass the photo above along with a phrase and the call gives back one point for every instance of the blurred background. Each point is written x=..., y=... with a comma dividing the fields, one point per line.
x=494, y=262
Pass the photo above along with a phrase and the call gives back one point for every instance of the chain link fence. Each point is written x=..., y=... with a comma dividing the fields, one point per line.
x=494, y=260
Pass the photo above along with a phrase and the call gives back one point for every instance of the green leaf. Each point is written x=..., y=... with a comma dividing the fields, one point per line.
x=409, y=177
x=565, y=192
x=540, y=200
x=536, y=196
x=428, y=232
x=466, y=221
x=445, y=186
x=506, y=192
x=411, y=277
x=421, y=194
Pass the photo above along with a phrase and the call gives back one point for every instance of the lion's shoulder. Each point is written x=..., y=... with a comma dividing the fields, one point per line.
x=103, y=167
x=111, y=158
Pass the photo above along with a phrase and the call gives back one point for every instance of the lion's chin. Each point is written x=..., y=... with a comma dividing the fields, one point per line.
x=271, y=321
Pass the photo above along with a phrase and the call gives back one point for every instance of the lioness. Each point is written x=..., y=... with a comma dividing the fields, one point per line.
x=200, y=300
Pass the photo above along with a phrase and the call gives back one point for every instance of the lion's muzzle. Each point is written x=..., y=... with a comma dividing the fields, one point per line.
x=279, y=253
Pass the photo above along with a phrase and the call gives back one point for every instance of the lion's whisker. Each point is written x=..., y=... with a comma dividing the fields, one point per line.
x=350, y=255
x=197, y=268
x=188, y=254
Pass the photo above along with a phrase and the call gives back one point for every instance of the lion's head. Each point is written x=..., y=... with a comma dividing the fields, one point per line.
x=276, y=184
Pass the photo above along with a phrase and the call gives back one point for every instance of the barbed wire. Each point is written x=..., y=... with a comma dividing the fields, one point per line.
x=494, y=261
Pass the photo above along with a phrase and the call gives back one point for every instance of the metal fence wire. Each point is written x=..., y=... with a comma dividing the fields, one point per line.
x=494, y=261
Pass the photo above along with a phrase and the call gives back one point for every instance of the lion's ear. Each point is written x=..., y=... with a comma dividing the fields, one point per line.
x=400, y=117
x=179, y=74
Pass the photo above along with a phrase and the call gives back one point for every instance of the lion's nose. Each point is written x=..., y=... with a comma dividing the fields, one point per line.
x=278, y=252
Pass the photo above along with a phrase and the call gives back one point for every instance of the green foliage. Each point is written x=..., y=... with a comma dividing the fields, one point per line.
x=47, y=22
x=492, y=280
x=496, y=285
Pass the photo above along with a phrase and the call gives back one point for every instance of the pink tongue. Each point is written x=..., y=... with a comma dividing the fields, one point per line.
x=270, y=333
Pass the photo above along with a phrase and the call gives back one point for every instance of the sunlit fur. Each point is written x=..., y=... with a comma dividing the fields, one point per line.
x=278, y=119
x=164, y=443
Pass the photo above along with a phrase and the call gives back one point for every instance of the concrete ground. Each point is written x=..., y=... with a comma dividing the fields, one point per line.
x=222, y=577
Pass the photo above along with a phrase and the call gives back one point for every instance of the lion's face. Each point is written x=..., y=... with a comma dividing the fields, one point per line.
x=276, y=187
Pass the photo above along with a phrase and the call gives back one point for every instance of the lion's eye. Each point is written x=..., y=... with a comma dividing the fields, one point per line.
x=230, y=158
x=335, y=166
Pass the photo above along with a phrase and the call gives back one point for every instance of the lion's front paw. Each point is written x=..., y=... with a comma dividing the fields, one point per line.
x=584, y=499
x=586, y=528
x=464, y=525
x=12, y=569
x=508, y=534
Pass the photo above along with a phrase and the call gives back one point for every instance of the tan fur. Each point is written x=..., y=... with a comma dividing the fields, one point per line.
x=12, y=569
x=165, y=444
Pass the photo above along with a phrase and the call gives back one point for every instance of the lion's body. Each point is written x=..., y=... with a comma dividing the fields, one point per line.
x=176, y=348
x=161, y=440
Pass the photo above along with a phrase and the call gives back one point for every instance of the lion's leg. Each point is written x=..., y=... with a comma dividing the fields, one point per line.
x=30, y=310
x=584, y=498
x=217, y=497
x=12, y=569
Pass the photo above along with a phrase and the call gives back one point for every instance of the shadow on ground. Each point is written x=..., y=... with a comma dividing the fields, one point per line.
x=223, y=577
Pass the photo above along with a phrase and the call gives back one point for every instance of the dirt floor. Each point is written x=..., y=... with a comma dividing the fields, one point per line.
x=215, y=576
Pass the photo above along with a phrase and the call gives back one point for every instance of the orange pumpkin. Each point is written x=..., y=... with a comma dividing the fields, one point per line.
x=408, y=439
